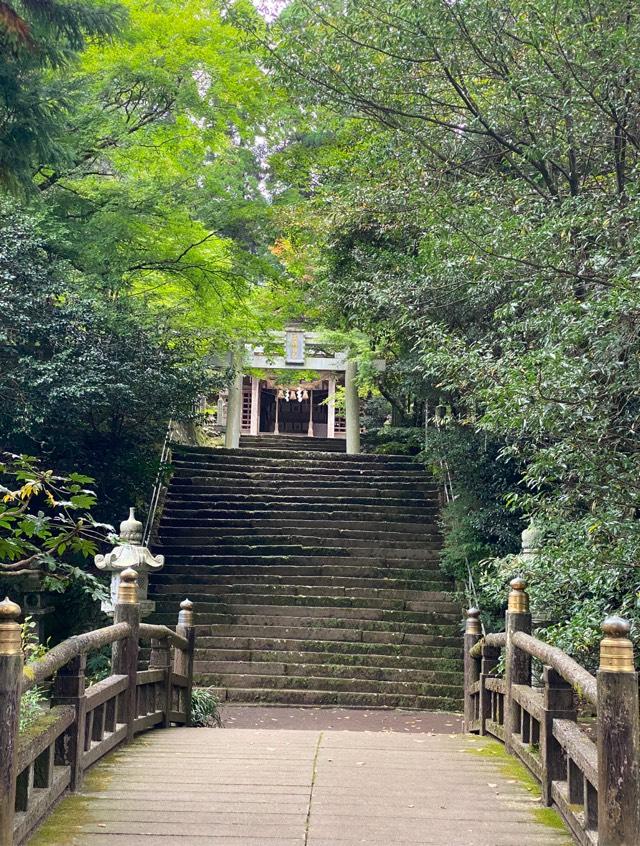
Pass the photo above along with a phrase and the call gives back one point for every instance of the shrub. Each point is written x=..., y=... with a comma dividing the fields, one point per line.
x=205, y=708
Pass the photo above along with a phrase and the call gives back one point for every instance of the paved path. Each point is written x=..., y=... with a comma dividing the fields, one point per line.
x=340, y=719
x=244, y=787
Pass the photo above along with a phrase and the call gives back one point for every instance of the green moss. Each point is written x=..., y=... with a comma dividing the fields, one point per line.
x=512, y=769
x=65, y=825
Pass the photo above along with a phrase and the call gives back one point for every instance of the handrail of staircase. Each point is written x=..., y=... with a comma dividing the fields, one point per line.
x=165, y=457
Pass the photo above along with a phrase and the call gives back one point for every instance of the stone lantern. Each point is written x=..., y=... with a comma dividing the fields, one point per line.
x=130, y=552
x=531, y=538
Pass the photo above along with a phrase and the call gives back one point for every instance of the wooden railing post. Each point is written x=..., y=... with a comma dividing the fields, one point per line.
x=183, y=662
x=488, y=664
x=11, y=662
x=618, y=738
x=558, y=704
x=472, y=634
x=160, y=659
x=124, y=656
x=518, y=663
x=69, y=689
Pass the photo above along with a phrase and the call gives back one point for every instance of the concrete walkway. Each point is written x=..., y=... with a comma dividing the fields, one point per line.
x=246, y=787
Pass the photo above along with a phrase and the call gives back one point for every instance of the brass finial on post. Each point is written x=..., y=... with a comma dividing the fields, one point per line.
x=185, y=616
x=518, y=598
x=128, y=587
x=10, y=630
x=517, y=668
x=618, y=736
x=473, y=626
x=616, y=650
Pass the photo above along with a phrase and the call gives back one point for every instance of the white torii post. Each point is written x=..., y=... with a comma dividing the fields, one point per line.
x=352, y=408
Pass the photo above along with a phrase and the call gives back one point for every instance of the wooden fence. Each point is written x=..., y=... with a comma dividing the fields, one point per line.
x=84, y=723
x=595, y=785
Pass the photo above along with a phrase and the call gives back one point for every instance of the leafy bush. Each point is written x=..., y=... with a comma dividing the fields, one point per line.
x=98, y=665
x=46, y=525
x=205, y=708
x=394, y=440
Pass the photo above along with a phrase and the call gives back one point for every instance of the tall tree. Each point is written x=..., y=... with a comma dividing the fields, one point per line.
x=35, y=36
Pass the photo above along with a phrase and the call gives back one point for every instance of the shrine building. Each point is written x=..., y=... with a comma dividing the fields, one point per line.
x=290, y=389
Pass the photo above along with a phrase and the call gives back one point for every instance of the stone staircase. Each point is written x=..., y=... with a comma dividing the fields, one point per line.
x=315, y=575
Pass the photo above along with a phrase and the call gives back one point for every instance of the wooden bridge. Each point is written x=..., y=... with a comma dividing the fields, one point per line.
x=254, y=788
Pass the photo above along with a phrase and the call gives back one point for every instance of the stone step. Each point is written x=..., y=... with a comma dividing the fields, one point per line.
x=302, y=496
x=258, y=457
x=270, y=546
x=180, y=587
x=197, y=538
x=265, y=576
x=292, y=508
x=297, y=482
x=231, y=470
x=354, y=628
x=234, y=601
x=321, y=520
x=274, y=614
x=289, y=438
x=338, y=650
x=302, y=474
x=344, y=662
x=222, y=670
x=325, y=632
x=200, y=527
x=449, y=688
x=339, y=699
x=405, y=568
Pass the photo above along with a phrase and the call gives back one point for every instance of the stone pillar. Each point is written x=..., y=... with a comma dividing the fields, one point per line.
x=352, y=408
x=331, y=407
x=234, y=405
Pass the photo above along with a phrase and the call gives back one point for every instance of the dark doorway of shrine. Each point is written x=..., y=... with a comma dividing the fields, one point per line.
x=292, y=414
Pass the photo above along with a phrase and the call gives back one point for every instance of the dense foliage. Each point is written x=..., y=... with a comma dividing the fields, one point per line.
x=135, y=248
x=469, y=177
x=134, y=229
x=452, y=186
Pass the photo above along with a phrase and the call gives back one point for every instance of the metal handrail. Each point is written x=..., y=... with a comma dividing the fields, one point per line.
x=158, y=485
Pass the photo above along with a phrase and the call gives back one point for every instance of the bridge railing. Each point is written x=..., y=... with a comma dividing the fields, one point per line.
x=594, y=784
x=84, y=723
